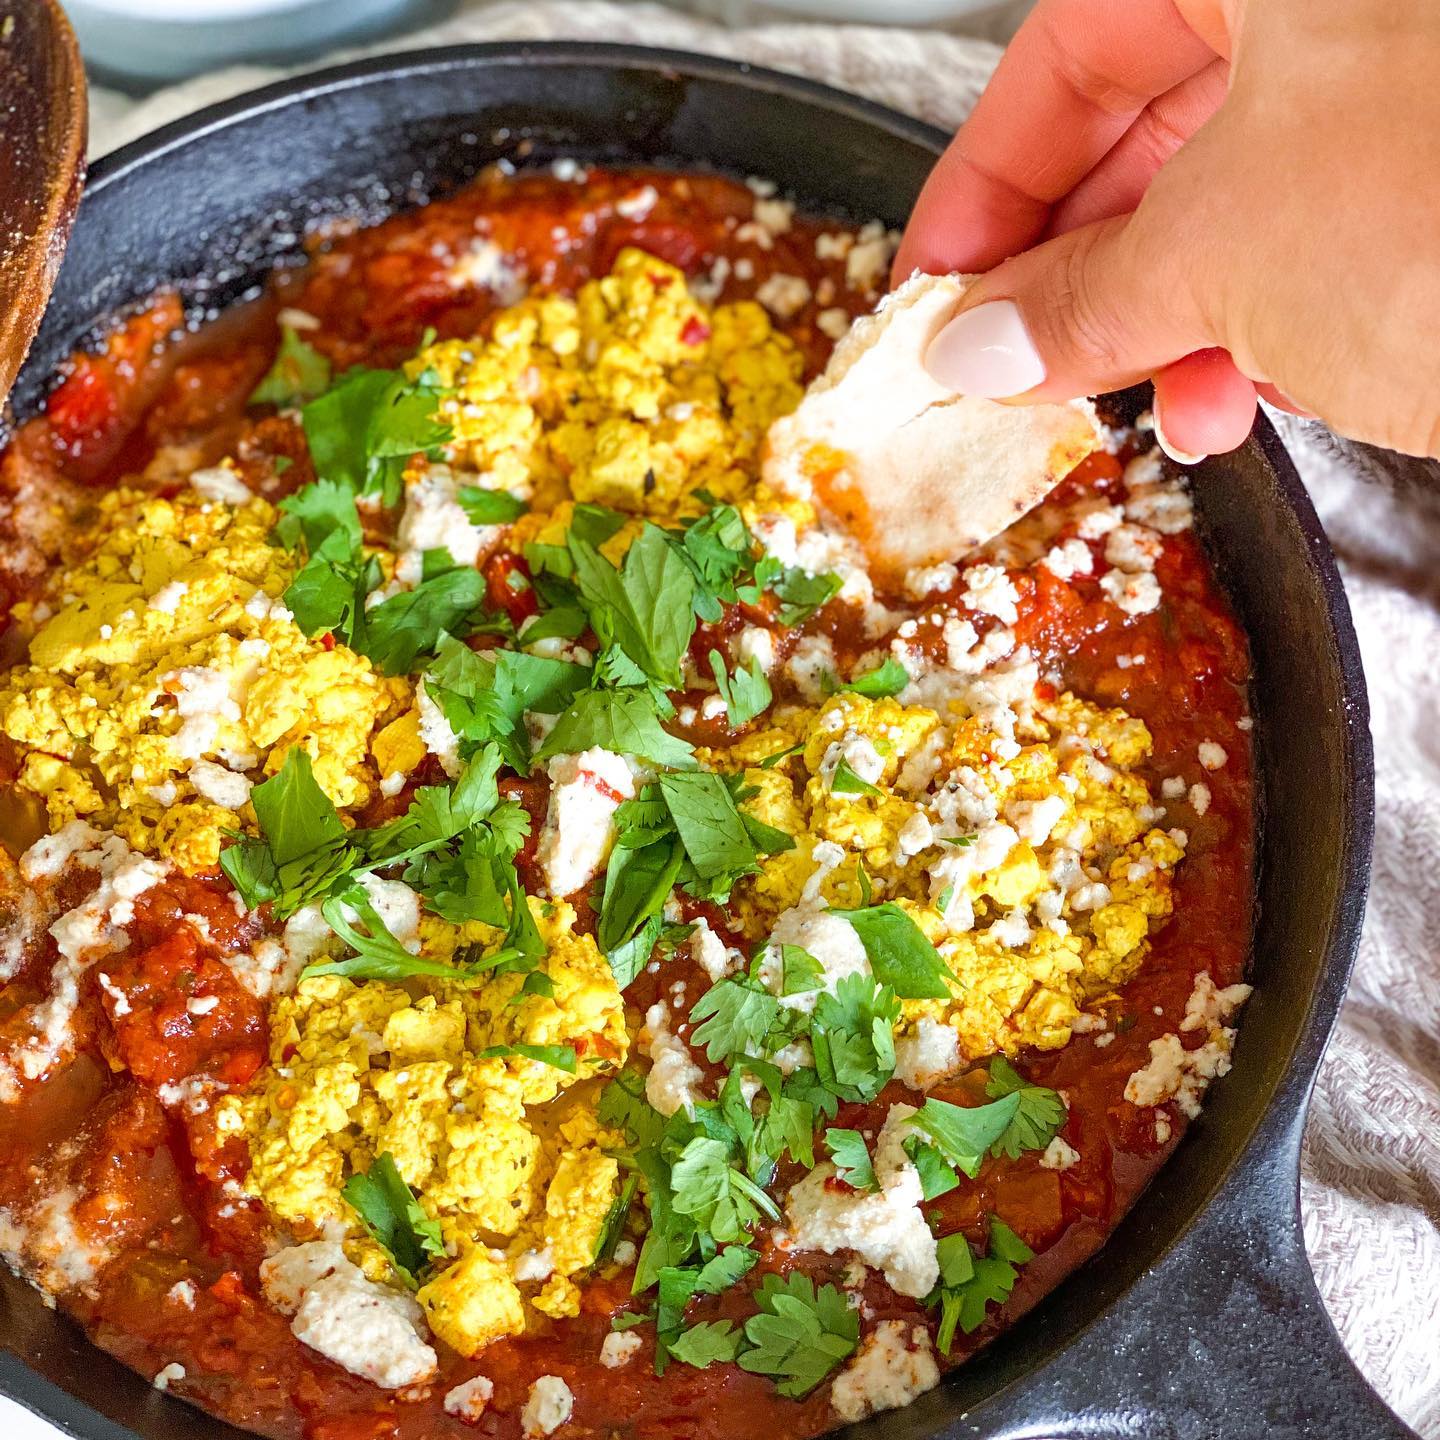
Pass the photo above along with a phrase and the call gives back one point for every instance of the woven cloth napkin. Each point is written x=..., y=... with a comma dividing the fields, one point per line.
x=1370, y=1185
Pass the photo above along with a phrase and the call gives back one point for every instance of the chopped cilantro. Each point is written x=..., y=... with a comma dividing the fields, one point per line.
x=969, y=1283
x=890, y=677
x=899, y=953
x=964, y=1133
x=746, y=694
x=620, y=720
x=719, y=1199
x=844, y=781
x=852, y=1158
x=736, y=1016
x=1039, y=1117
x=489, y=507
x=703, y=1344
x=800, y=1335
x=852, y=1033
x=562, y=1057
x=299, y=372
x=390, y=1212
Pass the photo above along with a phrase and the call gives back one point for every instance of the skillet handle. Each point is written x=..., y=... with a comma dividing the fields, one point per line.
x=1225, y=1339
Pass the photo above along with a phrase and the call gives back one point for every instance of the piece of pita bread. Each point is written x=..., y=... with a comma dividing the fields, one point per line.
x=916, y=473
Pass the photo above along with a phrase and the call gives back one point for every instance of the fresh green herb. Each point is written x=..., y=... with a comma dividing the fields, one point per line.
x=800, y=593
x=718, y=1199
x=623, y=721
x=746, y=694
x=323, y=517
x=800, y=972
x=390, y=1212
x=852, y=1033
x=709, y=823
x=800, y=1335
x=733, y=1017
x=899, y=953
x=489, y=507
x=720, y=553
x=562, y=1057
x=703, y=1344
x=890, y=677
x=771, y=761
x=397, y=631
x=644, y=606
x=1038, y=1118
x=299, y=372
x=852, y=1159
x=364, y=429
x=629, y=1320
x=964, y=1133
x=969, y=1283
x=937, y=1175
x=960, y=841
x=630, y=957
x=844, y=781
x=638, y=881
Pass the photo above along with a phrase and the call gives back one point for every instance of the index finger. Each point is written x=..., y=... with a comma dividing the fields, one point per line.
x=1072, y=82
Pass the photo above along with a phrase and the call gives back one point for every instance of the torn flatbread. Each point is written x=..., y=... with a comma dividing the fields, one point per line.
x=916, y=473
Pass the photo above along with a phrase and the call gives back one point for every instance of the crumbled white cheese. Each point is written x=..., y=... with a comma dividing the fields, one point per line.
x=202, y=700
x=532, y=1265
x=1059, y=1155
x=927, y=1055
x=829, y=939
x=675, y=1080
x=398, y=907
x=989, y=590
x=755, y=644
x=549, y=1404
x=1199, y=798
x=585, y=792
x=368, y=1329
x=1066, y=561
x=220, y=482
x=858, y=752
x=1132, y=547
x=868, y=259
x=886, y=1228
x=711, y=953
x=619, y=1348
x=467, y=1401
x=812, y=659
x=1211, y=755
x=930, y=580
x=1209, y=1006
x=436, y=732
x=1035, y=819
x=183, y=1293
x=168, y=1374
x=434, y=519
x=168, y=597
x=638, y=204
x=1172, y=787
x=485, y=266
x=894, y=1365
x=49, y=855
x=218, y=785
x=784, y=295
x=1136, y=594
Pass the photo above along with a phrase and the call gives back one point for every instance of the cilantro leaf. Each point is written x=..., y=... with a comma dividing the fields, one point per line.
x=746, y=694
x=852, y=1158
x=613, y=1226
x=937, y=1175
x=709, y=822
x=714, y=1194
x=802, y=594
x=619, y=720
x=853, y=1036
x=964, y=1133
x=771, y=761
x=623, y=1107
x=638, y=881
x=890, y=677
x=397, y=631
x=644, y=606
x=322, y=516
x=800, y=1335
x=562, y=1057
x=703, y=1344
x=968, y=1284
x=630, y=957
x=390, y=1212
x=899, y=953
x=844, y=781
x=736, y=1016
x=365, y=427
x=1038, y=1119
x=489, y=507
x=298, y=372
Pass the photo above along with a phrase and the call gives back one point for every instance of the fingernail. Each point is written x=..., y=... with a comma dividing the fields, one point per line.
x=1180, y=457
x=986, y=352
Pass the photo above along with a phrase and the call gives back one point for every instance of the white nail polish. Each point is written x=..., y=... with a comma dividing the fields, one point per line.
x=1180, y=457
x=986, y=352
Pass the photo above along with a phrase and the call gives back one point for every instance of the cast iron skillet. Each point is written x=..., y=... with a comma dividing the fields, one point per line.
x=1200, y=1317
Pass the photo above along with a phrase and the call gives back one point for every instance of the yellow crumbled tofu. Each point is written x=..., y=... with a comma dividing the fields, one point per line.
x=363, y=1070
x=632, y=395
x=473, y=1302
x=170, y=678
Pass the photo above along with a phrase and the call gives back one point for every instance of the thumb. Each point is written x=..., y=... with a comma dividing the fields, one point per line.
x=1095, y=309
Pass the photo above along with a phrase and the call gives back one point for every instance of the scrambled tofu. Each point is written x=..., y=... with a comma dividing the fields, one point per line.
x=501, y=1149
x=1035, y=868
x=170, y=677
x=632, y=395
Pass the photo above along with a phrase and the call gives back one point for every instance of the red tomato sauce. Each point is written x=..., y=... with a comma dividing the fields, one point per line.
x=159, y=1189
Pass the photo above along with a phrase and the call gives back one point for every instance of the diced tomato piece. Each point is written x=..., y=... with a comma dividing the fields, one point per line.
x=508, y=587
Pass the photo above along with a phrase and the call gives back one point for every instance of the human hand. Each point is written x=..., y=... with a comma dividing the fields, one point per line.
x=1234, y=197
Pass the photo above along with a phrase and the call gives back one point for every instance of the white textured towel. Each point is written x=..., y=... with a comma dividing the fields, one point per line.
x=1371, y=1181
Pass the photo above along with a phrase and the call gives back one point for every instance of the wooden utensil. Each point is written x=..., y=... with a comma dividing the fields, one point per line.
x=42, y=164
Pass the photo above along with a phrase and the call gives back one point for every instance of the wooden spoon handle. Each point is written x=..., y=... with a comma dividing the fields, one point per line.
x=42, y=164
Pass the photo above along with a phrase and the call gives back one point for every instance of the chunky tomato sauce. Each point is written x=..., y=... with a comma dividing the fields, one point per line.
x=154, y=1185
